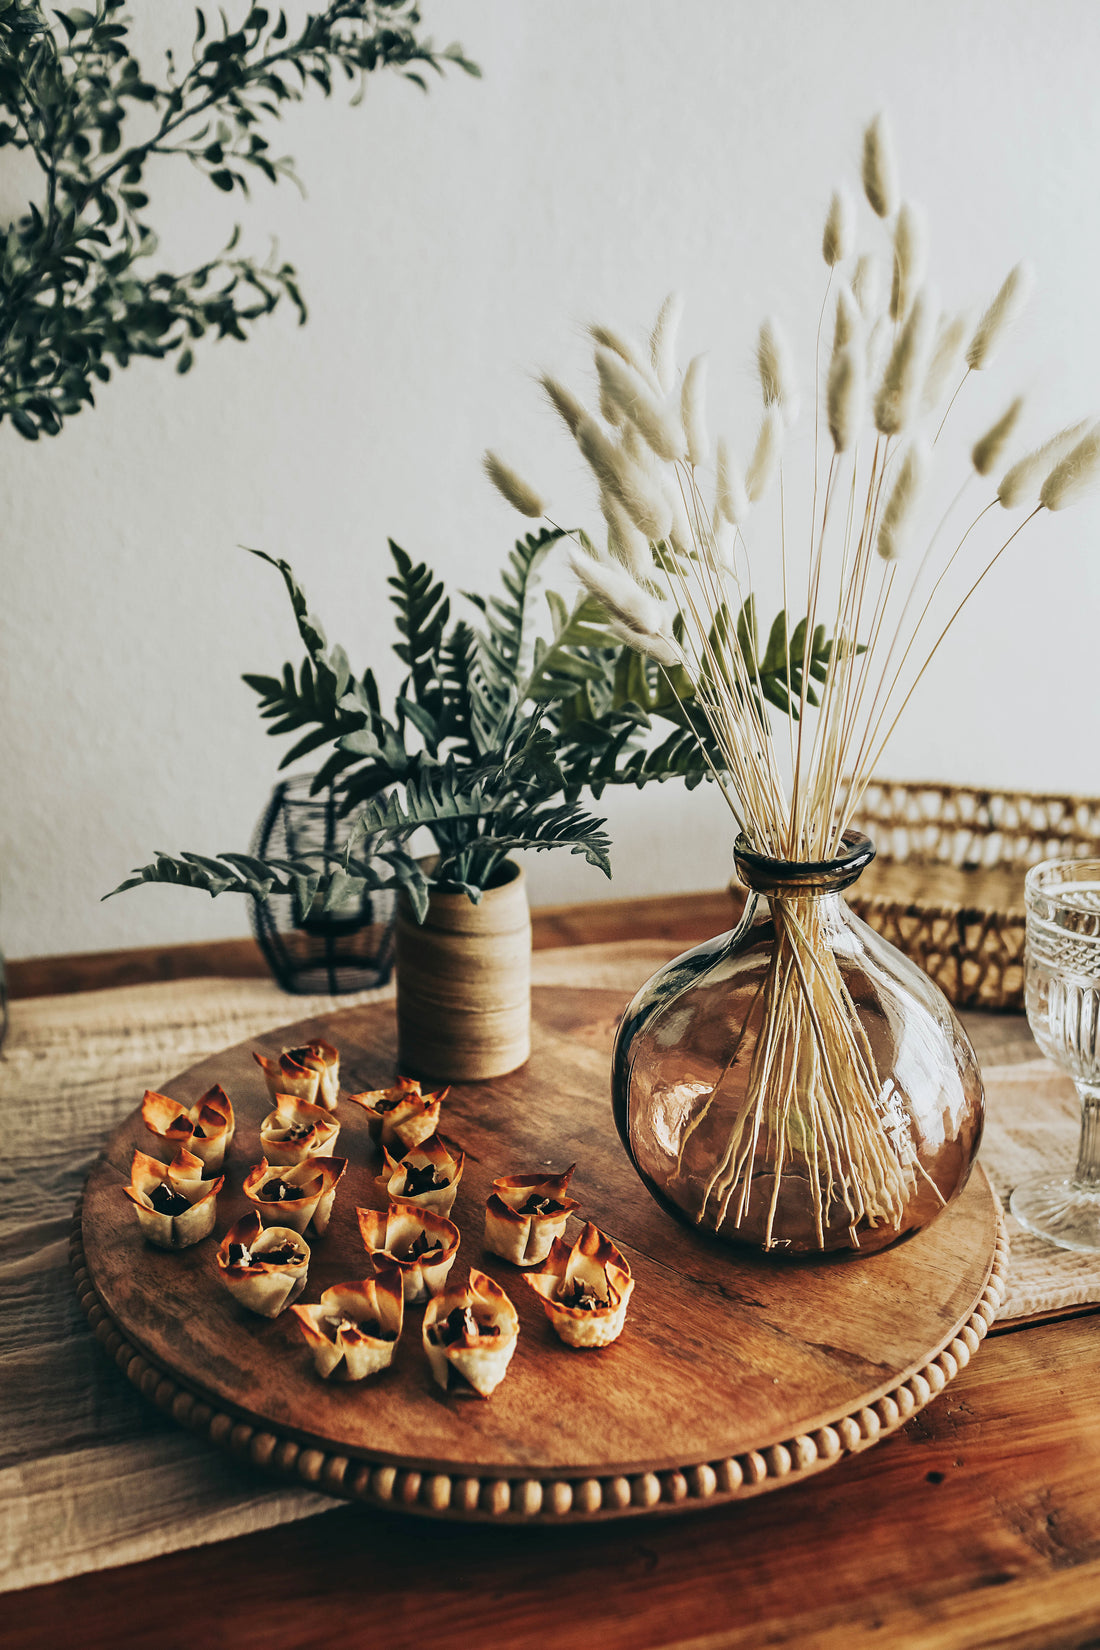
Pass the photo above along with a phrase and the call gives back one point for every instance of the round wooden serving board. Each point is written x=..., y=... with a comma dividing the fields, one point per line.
x=733, y=1375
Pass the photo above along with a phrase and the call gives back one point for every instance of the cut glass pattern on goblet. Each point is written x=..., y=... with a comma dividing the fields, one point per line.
x=1063, y=1009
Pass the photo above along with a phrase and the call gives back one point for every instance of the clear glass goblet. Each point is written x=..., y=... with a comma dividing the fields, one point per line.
x=1062, y=897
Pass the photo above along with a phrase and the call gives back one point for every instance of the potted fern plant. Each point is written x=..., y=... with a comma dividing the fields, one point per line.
x=467, y=757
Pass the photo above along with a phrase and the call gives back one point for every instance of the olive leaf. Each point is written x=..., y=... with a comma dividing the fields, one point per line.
x=79, y=295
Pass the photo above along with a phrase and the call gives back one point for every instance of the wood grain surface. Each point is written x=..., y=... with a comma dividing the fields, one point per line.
x=977, y=1527
x=724, y=1354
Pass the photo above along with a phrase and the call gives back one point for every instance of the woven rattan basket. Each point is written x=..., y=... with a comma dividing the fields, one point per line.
x=947, y=887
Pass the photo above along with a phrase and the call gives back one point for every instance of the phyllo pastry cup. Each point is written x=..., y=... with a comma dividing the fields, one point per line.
x=401, y=1116
x=309, y=1072
x=585, y=1289
x=526, y=1213
x=264, y=1269
x=354, y=1329
x=204, y=1129
x=296, y=1130
x=174, y=1204
x=422, y=1246
x=300, y=1196
x=470, y=1335
x=427, y=1177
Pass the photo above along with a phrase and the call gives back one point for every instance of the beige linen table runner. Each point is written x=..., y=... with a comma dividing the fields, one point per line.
x=91, y=1475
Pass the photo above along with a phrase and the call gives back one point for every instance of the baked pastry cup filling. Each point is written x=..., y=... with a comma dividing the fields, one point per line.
x=309, y=1072
x=174, y=1205
x=296, y=1130
x=526, y=1213
x=401, y=1116
x=421, y=1244
x=264, y=1268
x=204, y=1129
x=585, y=1289
x=354, y=1329
x=426, y=1177
x=298, y=1196
x=470, y=1335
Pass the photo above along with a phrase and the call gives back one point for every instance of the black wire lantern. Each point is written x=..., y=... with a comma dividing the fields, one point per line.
x=347, y=949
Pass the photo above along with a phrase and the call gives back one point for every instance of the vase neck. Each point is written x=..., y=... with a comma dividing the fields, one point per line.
x=800, y=879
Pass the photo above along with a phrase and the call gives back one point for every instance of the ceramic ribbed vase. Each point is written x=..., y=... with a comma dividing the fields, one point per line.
x=798, y=1084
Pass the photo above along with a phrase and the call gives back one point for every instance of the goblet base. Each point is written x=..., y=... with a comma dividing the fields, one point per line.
x=1061, y=1210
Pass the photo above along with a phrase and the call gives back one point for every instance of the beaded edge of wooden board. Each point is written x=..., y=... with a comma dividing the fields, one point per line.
x=550, y=1500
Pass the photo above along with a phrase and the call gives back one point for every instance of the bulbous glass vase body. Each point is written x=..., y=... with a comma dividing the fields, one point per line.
x=798, y=1084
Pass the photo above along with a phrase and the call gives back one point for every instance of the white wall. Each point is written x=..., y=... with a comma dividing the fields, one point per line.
x=448, y=245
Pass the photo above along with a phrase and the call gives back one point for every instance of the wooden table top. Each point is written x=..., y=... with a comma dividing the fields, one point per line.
x=976, y=1527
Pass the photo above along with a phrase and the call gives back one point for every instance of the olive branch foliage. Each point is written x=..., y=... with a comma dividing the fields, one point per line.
x=494, y=736
x=77, y=294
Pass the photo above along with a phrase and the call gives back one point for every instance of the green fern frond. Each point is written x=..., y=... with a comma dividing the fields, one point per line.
x=309, y=628
x=504, y=642
x=423, y=610
x=431, y=797
x=548, y=825
x=579, y=652
x=313, y=882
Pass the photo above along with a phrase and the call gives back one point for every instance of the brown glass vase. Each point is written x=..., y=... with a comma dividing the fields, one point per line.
x=798, y=1084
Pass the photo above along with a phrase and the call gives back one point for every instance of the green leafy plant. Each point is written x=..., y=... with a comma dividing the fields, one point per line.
x=466, y=751
x=493, y=737
x=77, y=294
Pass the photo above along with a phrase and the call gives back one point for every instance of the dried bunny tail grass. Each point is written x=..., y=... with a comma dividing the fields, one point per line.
x=723, y=538
x=839, y=232
x=624, y=480
x=640, y=616
x=999, y=316
x=844, y=398
x=693, y=410
x=773, y=363
x=512, y=486
x=898, y=393
x=903, y=496
x=880, y=172
x=639, y=452
x=607, y=338
x=607, y=462
x=563, y=401
x=731, y=499
x=662, y=648
x=947, y=351
x=1021, y=483
x=610, y=410
x=645, y=503
x=766, y=454
x=849, y=320
x=680, y=535
x=621, y=385
x=866, y=283
x=662, y=341
x=910, y=258
x=877, y=341
x=624, y=542
x=1075, y=475
x=989, y=448
x=627, y=393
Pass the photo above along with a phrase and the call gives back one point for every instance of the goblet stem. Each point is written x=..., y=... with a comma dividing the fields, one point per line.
x=1087, y=1172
